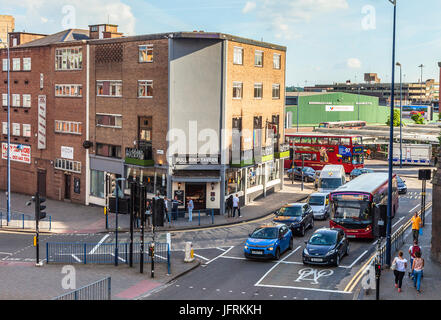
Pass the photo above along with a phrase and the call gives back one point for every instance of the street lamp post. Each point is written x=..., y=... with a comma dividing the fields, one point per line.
x=391, y=144
x=421, y=83
x=401, y=117
x=116, y=219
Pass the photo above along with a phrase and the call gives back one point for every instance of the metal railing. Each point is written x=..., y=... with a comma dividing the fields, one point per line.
x=18, y=220
x=99, y=290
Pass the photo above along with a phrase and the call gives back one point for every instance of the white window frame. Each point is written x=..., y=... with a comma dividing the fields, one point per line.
x=114, y=83
x=5, y=128
x=256, y=86
x=235, y=56
x=73, y=55
x=15, y=64
x=146, y=84
x=5, y=65
x=16, y=100
x=4, y=99
x=27, y=101
x=275, y=86
x=67, y=165
x=27, y=64
x=66, y=90
x=146, y=48
x=16, y=129
x=71, y=125
x=110, y=126
x=279, y=61
x=237, y=84
x=256, y=55
x=27, y=130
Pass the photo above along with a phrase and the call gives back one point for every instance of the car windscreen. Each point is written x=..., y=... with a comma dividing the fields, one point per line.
x=316, y=200
x=265, y=233
x=352, y=211
x=330, y=183
x=399, y=180
x=290, y=211
x=323, y=239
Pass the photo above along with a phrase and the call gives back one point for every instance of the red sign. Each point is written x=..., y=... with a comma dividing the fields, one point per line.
x=17, y=152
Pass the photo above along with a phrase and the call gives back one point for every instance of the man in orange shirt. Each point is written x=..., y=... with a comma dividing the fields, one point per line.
x=416, y=225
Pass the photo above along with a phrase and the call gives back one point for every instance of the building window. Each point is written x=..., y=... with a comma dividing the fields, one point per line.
x=69, y=59
x=145, y=88
x=237, y=90
x=16, y=129
x=109, y=88
x=258, y=88
x=107, y=150
x=146, y=53
x=238, y=55
x=97, y=183
x=109, y=120
x=276, y=61
x=16, y=64
x=68, y=165
x=276, y=91
x=258, y=58
x=68, y=127
x=27, y=130
x=5, y=65
x=68, y=90
x=5, y=99
x=27, y=64
x=16, y=100
x=26, y=101
x=5, y=128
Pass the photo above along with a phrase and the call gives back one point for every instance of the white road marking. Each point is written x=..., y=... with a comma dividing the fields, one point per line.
x=414, y=208
x=353, y=263
x=123, y=260
x=76, y=258
x=196, y=255
x=221, y=249
x=99, y=243
x=8, y=253
x=300, y=288
x=398, y=221
x=219, y=255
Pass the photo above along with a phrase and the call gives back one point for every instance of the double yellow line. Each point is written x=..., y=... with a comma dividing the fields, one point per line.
x=359, y=275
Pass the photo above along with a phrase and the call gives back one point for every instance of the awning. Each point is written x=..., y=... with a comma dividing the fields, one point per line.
x=196, y=179
x=196, y=176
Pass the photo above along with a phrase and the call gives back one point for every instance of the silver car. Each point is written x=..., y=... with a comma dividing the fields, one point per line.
x=319, y=203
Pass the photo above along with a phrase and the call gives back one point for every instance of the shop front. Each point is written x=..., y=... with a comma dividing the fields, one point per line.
x=100, y=168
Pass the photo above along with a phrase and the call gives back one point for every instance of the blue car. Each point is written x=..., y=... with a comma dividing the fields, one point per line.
x=268, y=242
x=358, y=172
x=308, y=174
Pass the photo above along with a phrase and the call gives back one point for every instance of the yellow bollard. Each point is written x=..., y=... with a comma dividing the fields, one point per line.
x=192, y=253
x=35, y=241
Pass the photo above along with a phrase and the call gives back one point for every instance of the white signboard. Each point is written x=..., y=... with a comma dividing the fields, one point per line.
x=17, y=152
x=339, y=108
x=41, y=122
x=67, y=152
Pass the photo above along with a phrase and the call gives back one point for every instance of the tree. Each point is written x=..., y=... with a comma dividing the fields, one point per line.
x=417, y=118
x=396, y=118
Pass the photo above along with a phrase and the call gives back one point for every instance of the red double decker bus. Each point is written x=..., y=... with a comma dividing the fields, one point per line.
x=353, y=204
x=319, y=150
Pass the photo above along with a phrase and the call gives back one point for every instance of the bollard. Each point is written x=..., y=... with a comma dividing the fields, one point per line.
x=22, y=217
x=189, y=253
x=212, y=216
x=199, y=217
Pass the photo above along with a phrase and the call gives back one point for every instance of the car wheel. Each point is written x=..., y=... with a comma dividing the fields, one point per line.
x=291, y=243
x=277, y=255
x=347, y=250
x=337, y=260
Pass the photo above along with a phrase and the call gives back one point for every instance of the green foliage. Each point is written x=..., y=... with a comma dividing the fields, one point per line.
x=418, y=118
x=396, y=118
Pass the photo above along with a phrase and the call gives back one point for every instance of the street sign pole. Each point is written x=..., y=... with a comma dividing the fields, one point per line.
x=142, y=215
x=37, y=231
x=132, y=210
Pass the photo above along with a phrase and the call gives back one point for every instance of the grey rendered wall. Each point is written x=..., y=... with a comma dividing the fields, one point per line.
x=195, y=85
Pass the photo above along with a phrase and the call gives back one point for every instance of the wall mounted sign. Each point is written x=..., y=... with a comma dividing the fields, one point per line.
x=17, y=152
x=67, y=152
x=339, y=108
x=42, y=122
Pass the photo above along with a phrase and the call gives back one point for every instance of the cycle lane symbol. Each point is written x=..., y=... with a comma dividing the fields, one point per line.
x=313, y=275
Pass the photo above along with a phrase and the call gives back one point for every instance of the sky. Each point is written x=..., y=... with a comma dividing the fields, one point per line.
x=327, y=40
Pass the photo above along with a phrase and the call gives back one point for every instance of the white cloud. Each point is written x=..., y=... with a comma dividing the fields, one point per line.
x=249, y=6
x=86, y=12
x=353, y=63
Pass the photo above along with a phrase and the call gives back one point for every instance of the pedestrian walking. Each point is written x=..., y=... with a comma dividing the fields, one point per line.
x=413, y=249
x=236, y=206
x=229, y=205
x=399, y=266
x=416, y=226
x=166, y=212
x=190, y=207
x=175, y=205
x=417, y=271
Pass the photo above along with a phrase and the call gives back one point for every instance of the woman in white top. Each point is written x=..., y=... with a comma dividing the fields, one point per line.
x=400, y=269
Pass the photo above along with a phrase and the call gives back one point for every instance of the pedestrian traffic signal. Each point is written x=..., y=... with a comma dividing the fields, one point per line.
x=39, y=207
x=152, y=250
x=377, y=270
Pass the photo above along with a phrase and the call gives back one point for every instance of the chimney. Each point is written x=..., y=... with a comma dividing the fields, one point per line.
x=104, y=31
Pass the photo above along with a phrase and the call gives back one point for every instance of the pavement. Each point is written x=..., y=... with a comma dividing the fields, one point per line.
x=431, y=281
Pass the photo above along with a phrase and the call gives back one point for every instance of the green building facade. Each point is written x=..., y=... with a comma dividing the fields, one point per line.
x=329, y=107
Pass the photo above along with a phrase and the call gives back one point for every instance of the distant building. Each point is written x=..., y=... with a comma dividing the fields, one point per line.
x=7, y=24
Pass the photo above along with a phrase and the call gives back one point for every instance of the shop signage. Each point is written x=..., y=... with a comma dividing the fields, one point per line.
x=67, y=152
x=17, y=152
x=41, y=122
x=160, y=151
x=196, y=159
x=332, y=108
x=135, y=153
x=77, y=185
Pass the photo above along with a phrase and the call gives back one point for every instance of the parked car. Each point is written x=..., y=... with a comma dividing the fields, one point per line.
x=319, y=203
x=402, y=188
x=297, y=216
x=268, y=242
x=326, y=247
x=308, y=174
x=357, y=172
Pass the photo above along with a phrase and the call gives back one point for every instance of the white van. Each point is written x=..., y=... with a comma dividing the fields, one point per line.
x=319, y=202
x=331, y=177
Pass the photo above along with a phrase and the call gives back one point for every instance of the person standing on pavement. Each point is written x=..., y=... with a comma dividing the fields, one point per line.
x=166, y=210
x=175, y=205
x=190, y=207
x=412, y=252
x=417, y=271
x=400, y=269
x=416, y=225
x=236, y=205
x=229, y=205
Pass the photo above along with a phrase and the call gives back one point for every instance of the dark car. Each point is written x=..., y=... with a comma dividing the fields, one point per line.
x=297, y=216
x=268, y=242
x=357, y=172
x=402, y=188
x=308, y=174
x=326, y=247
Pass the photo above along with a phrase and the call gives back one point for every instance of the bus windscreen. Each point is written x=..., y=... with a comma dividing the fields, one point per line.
x=352, y=212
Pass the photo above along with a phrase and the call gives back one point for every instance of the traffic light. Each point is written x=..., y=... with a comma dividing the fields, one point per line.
x=377, y=270
x=40, y=214
x=152, y=250
x=113, y=187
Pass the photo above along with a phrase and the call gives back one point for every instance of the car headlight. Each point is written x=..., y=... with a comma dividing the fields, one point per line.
x=305, y=251
x=271, y=248
x=246, y=247
x=330, y=253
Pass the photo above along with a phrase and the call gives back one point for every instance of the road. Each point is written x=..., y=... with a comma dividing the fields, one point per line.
x=226, y=274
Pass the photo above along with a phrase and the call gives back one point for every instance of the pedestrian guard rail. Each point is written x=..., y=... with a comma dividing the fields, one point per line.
x=18, y=220
x=99, y=290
